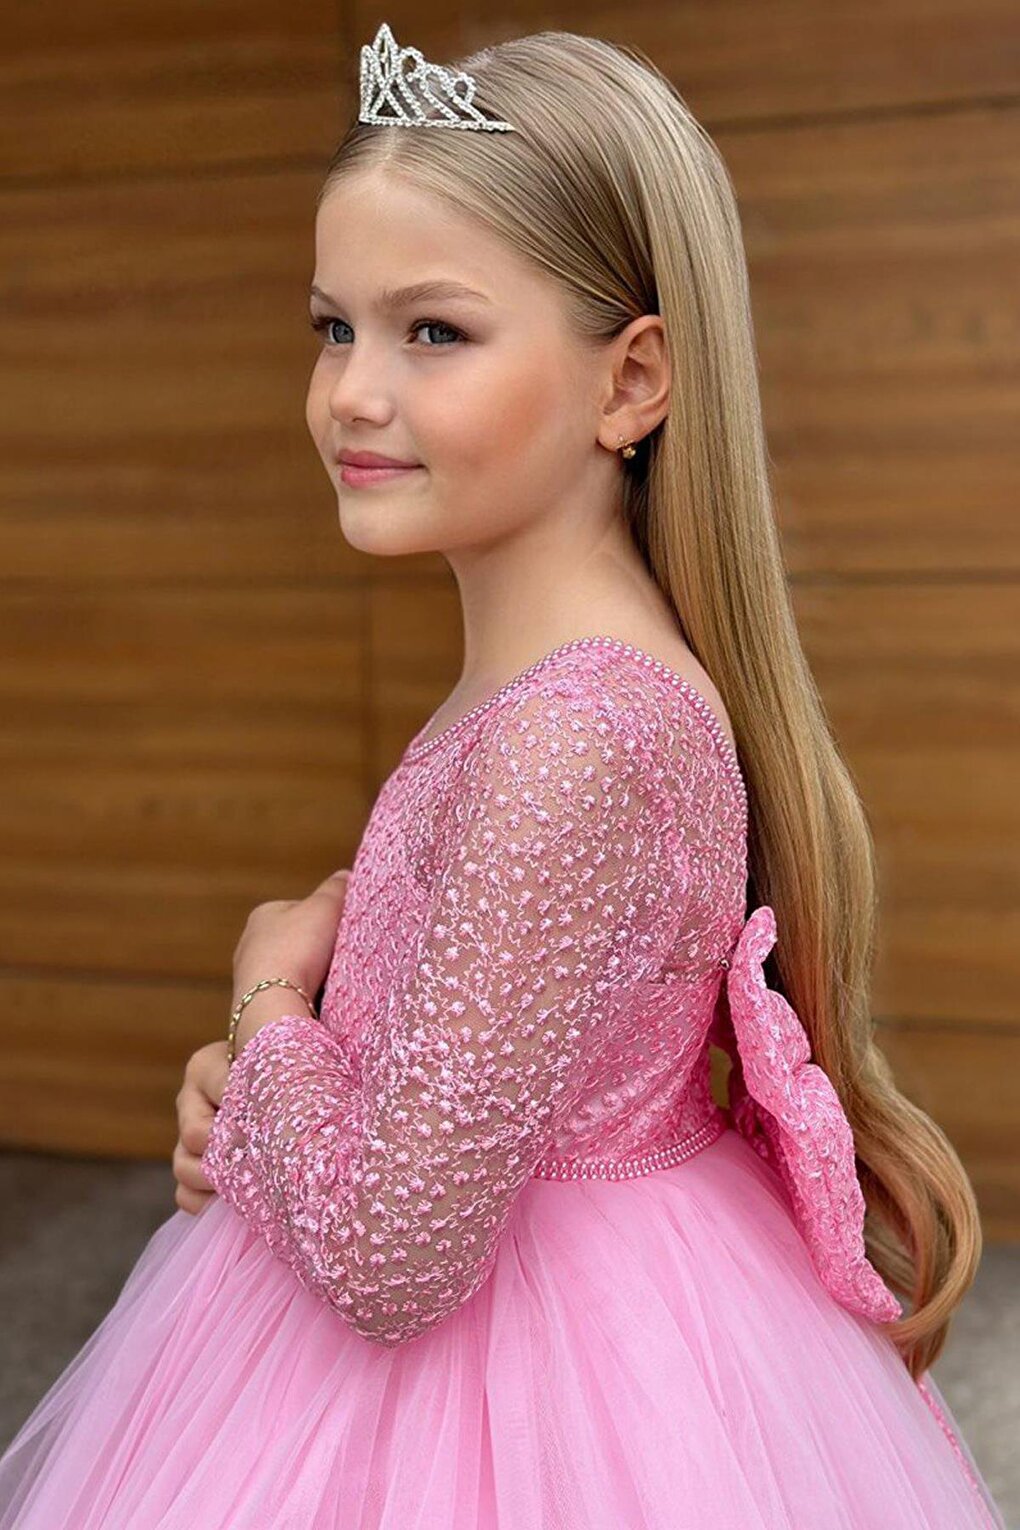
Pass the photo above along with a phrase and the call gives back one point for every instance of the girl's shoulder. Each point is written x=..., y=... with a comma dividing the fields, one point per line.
x=652, y=706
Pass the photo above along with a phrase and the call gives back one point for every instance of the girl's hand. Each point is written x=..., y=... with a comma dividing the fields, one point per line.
x=289, y=937
x=292, y=938
x=205, y=1078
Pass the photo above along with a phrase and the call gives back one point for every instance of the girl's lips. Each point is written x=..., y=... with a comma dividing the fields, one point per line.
x=360, y=477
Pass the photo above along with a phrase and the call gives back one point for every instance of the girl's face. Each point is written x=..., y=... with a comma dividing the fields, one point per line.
x=488, y=394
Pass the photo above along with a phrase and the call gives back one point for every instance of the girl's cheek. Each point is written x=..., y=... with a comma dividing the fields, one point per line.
x=508, y=411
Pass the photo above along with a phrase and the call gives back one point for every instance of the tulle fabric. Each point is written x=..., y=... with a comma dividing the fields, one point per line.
x=656, y=1353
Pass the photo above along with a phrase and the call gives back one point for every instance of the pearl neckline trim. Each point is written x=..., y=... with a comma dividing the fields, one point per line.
x=420, y=746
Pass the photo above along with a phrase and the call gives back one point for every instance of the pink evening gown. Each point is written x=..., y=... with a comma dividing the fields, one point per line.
x=486, y=1255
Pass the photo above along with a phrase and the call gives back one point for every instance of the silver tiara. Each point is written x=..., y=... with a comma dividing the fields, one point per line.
x=395, y=96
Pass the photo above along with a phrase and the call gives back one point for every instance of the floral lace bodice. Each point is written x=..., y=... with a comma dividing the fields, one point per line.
x=544, y=912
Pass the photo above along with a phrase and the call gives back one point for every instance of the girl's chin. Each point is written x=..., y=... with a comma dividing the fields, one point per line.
x=382, y=534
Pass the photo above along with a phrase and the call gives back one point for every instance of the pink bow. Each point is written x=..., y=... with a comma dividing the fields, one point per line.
x=786, y=1107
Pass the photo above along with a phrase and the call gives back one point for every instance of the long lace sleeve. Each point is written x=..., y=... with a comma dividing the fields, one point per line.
x=386, y=1181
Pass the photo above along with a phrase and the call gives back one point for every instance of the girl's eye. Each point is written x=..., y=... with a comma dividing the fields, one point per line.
x=437, y=324
x=324, y=325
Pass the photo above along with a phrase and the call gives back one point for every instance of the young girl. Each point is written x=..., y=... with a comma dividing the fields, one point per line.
x=478, y=1247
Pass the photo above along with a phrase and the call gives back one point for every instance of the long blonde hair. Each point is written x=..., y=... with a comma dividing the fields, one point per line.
x=613, y=188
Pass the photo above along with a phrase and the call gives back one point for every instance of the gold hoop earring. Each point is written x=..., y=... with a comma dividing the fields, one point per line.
x=629, y=449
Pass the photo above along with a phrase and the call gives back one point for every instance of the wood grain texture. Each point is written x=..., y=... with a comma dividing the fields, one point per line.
x=171, y=759
x=965, y=1078
x=92, y=1065
x=154, y=385
x=116, y=87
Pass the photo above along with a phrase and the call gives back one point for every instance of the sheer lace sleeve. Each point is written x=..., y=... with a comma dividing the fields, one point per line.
x=386, y=1181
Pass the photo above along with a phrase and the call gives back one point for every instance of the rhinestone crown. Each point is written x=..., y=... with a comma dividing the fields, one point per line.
x=398, y=86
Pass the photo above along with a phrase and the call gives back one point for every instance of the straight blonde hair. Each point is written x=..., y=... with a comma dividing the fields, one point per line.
x=613, y=188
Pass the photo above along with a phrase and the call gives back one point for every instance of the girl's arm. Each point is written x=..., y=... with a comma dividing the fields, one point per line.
x=386, y=1181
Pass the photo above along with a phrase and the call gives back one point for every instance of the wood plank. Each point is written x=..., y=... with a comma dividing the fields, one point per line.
x=415, y=641
x=171, y=758
x=93, y=1065
x=154, y=426
x=119, y=88
x=883, y=284
x=920, y=681
x=966, y=1080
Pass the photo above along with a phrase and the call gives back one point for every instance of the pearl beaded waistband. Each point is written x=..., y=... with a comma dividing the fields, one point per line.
x=635, y=1163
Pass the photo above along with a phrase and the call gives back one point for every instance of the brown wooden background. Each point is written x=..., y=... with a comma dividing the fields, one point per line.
x=201, y=685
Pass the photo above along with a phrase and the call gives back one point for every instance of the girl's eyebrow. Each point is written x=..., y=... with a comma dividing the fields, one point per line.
x=402, y=297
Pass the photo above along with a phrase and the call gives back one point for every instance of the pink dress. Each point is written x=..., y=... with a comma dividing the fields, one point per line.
x=486, y=1255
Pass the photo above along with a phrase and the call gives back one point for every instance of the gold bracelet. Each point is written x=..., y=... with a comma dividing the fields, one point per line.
x=281, y=982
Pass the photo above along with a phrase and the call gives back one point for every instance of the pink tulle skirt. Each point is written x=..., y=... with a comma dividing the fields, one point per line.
x=654, y=1353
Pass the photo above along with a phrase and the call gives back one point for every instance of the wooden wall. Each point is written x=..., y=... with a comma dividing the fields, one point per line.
x=202, y=686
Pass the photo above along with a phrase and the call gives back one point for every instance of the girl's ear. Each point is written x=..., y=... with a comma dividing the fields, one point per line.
x=639, y=380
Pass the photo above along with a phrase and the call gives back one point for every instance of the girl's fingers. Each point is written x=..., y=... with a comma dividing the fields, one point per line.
x=193, y=1190
x=188, y=1169
x=192, y=1201
x=205, y=1079
x=195, y=1111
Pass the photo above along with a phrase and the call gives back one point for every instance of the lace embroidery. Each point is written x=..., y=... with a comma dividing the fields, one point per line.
x=383, y=1168
x=787, y=1108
